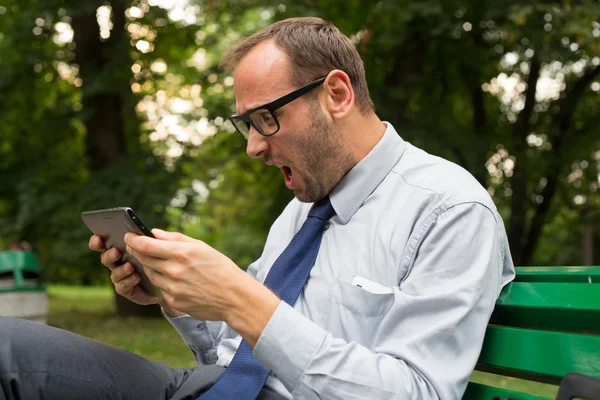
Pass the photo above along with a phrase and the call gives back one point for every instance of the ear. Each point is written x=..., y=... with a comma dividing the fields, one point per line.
x=339, y=95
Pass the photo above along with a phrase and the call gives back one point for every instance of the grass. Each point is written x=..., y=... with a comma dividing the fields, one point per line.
x=90, y=312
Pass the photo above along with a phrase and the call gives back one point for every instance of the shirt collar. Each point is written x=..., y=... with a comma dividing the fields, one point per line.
x=362, y=180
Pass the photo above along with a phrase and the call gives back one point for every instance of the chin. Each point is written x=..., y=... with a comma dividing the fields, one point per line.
x=310, y=196
x=301, y=196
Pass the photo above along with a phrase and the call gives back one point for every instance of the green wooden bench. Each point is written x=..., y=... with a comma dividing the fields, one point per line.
x=546, y=324
x=19, y=271
x=21, y=293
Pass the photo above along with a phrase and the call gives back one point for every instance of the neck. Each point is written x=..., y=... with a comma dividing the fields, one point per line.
x=357, y=136
x=361, y=133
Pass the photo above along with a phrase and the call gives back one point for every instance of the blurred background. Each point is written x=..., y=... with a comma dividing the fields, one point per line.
x=121, y=103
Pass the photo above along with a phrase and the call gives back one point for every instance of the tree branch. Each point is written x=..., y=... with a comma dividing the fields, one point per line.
x=479, y=124
x=522, y=126
x=571, y=99
x=472, y=77
x=568, y=106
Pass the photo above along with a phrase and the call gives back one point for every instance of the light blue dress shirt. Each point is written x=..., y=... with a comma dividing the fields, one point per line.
x=426, y=244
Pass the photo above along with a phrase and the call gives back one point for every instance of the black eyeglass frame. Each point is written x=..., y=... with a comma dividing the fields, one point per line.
x=272, y=107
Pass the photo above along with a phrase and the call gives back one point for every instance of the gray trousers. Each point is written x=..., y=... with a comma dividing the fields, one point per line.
x=41, y=362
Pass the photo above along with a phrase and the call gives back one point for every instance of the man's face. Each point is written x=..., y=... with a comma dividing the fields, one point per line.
x=307, y=148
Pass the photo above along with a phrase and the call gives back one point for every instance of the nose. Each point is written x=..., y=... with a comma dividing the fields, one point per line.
x=257, y=144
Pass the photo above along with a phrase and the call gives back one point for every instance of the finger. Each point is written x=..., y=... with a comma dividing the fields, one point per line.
x=154, y=263
x=157, y=279
x=110, y=258
x=153, y=247
x=121, y=272
x=125, y=287
x=171, y=236
x=97, y=244
x=130, y=289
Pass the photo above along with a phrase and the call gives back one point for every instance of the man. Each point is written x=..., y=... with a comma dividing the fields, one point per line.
x=408, y=258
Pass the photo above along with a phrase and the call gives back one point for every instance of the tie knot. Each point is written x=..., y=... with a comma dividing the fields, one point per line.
x=322, y=209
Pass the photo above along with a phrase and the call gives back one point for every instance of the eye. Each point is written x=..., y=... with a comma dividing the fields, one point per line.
x=266, y=117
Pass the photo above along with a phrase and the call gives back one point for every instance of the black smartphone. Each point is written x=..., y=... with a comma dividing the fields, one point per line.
x=111, y=225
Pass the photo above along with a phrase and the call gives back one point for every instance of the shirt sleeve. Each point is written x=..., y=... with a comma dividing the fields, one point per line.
x=427, y=344
x=204, y=337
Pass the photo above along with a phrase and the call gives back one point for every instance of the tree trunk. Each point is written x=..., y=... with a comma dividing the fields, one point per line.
x=104, y=69
x=587, y=250
x=102, y=100
x=479, y=170
x=519, y=201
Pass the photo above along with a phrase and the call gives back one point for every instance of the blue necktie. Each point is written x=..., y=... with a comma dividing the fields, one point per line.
x=245, y=377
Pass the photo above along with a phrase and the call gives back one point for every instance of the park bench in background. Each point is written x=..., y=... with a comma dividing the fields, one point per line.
x=21, y=293
x=545, y=325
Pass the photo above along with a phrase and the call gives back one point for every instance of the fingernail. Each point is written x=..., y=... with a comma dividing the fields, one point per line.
x=128, y=268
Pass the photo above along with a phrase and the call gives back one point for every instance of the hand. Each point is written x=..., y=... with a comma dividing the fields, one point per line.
x=192, y=276
x=197, y=279
x=123, y=276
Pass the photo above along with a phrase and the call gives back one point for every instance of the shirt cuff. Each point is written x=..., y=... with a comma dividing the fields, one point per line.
x=287, y=345
x=193, y=332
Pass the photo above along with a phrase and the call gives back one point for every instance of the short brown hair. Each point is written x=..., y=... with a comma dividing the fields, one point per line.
x=315, y=47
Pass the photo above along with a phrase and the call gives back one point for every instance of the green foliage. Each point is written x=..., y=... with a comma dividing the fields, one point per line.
x=44, y=168
x=433, y=68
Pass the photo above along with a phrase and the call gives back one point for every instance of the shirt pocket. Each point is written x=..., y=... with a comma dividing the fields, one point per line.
x=360, y=302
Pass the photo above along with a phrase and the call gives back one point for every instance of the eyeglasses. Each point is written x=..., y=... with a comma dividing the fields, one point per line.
x=263, y=118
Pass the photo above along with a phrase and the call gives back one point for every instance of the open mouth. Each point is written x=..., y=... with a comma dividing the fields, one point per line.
x=289, y=176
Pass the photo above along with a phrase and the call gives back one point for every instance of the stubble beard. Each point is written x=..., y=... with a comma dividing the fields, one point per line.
x=323, y=158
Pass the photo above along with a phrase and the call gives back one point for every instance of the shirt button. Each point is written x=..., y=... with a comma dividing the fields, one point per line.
x=326, y=226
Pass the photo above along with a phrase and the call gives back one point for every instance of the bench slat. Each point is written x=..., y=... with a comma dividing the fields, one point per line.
x=477, y=391
x=572, y=307
x=558, y=274
x=539, y=355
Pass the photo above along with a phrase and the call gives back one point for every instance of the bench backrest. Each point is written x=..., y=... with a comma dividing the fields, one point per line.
x=546, y=323
x=19, y=271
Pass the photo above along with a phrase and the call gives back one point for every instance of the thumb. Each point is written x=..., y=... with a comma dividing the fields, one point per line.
x=171, y=236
